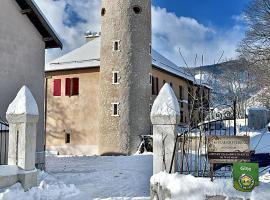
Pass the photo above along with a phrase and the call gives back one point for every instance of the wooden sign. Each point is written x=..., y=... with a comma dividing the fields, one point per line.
x=228, y=149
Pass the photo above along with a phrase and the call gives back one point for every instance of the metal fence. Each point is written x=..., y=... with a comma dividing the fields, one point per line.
x=4, y=130
x=191, y=145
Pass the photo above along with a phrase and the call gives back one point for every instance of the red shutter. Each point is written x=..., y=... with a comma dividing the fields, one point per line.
x=68, y=85
x=57, y=87
x=75, y=86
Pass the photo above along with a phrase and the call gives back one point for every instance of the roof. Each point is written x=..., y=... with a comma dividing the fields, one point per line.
x=30, y=8
x=88, y=55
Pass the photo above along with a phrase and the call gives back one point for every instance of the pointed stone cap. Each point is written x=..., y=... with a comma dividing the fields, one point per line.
x=23, y=104
x=165, y=109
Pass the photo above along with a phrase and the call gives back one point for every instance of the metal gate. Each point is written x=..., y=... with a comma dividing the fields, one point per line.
x=191, y=145
x=4, y=130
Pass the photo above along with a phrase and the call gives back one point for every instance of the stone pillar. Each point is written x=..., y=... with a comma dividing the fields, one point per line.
x=165, y=117
x=22, y=115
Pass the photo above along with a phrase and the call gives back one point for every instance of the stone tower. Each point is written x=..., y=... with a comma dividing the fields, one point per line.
x=124, y=75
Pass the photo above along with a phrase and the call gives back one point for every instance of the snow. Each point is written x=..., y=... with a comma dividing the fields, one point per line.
x=88, y=55
x=89, y=177
x=24, y=103
x=187, y=187
x=49, y=188
x=166, y=103
x=119, y=177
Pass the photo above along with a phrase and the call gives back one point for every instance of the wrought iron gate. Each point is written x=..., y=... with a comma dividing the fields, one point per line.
x=191, y=145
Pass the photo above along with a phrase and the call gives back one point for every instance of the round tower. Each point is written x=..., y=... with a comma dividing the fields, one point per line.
x=124, y=75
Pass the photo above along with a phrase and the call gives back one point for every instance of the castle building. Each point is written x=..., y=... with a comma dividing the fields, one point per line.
x=99, y=95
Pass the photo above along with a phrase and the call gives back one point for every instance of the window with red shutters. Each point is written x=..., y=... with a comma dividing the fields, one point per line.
x=75, y=86
x=68, y=86
x=72, y=86
x=57, y=87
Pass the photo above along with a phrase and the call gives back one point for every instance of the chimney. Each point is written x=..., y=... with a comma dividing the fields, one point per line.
x=89, y=35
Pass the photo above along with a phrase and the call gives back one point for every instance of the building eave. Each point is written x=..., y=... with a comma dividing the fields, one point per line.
x=31, y=10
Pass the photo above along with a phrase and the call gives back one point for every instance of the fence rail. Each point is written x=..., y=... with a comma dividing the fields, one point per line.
x=4, y=138
x=191, y=146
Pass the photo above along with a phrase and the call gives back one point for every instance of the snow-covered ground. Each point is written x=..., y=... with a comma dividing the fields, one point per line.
x=104, y=177
x=86, y=178
x=187, y=187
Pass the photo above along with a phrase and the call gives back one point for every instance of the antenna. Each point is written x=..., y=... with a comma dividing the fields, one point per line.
x=220, y=57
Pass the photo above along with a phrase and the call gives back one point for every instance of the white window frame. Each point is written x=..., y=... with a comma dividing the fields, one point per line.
x=119, y=45
x=113, y=78
x=112, y=109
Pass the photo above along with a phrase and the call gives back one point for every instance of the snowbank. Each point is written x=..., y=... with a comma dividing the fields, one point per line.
x=187, y=187
x=49, y=188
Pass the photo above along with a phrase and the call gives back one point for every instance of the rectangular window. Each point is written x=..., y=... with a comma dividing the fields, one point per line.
x=150, y=80
x=57, y=87
x=181, y=95
x=72, y=86
x=115, y=78
x=181, y=116
x=157, y=90
x=115, y=109
x=150, y=48
x=67, y=138
x=68, y=87
x=153, y=85
x=116, y=45
x=75, y=86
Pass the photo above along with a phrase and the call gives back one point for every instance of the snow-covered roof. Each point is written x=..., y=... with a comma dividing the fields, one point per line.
x=88, y=55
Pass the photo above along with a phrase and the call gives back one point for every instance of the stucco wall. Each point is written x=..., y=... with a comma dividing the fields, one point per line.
x=75, y=114
x=121, y=134
x=176, y=82
x=21, y=60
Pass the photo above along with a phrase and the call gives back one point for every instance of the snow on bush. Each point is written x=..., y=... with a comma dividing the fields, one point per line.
x=187, y=187
x=49, y=188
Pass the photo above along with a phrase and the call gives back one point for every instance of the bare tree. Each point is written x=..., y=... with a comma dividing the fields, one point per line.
x=255, y=47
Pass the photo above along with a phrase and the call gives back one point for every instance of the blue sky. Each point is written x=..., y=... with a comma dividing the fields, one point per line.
x=209, y=12
x=202, y=27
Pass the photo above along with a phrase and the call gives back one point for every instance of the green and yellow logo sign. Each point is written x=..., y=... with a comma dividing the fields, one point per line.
x=245, y=176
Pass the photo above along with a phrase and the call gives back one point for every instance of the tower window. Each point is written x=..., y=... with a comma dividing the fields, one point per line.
x=137, y=9
x=116, y=45
x=115, y=78
x=150, y=80
x=150, y=48
x=103, y=11
x=115, y=109
x=67, y=139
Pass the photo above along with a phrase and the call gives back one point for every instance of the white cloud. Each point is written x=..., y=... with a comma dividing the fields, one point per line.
x=170, y=32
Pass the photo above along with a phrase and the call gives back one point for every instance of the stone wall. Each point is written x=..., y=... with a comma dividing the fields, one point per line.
x=121, y=134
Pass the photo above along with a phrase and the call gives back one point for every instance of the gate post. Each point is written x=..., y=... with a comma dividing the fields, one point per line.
x=22, y=115
x=165, y=116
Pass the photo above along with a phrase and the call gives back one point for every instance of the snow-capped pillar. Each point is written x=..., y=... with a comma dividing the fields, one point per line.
x=165, y=116
x=22, y=115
